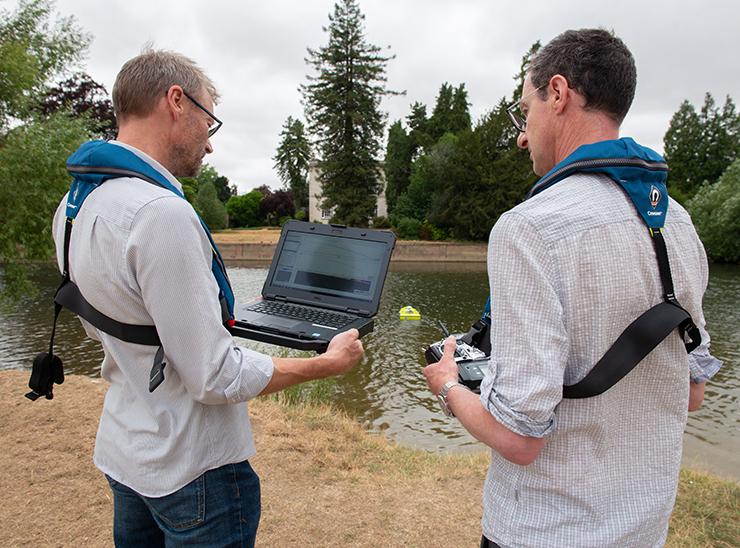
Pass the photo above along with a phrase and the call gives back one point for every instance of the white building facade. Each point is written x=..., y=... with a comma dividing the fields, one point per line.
x=317, y=214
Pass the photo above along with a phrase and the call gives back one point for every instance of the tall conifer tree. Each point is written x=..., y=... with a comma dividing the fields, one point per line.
x=342, y=104
x=292, y=159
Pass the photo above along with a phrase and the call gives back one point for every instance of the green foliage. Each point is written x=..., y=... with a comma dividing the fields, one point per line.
x=462, y=178
x=224, y=190
x=33, y=180
x=208, y=174
x=381, y=222
x=408, y=228
x=427, y=231
x=292, y=161
x=244, y=210
x=33, y=50
x=450, y=113
x=397, y=163
x=699, y=146
x=342, y=106
x=715, y=210
x=211, y=209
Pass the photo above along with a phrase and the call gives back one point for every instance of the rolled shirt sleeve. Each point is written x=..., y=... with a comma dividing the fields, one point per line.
x=529, y=348
x=169, y=256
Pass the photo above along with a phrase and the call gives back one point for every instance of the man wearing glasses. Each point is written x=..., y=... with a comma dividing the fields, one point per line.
x=569, y=269
x=174, y=440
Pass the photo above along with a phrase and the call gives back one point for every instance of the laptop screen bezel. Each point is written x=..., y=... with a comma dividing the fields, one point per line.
x=334, y=302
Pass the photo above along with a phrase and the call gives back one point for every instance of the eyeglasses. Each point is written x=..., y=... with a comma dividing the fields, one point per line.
x=517, y=118
x=216, y=122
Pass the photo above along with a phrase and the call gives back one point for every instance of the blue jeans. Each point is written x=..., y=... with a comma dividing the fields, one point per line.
x=220, y=508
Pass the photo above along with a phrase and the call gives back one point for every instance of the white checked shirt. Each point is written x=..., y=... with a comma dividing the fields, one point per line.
x=139, y=255
x=569, y=269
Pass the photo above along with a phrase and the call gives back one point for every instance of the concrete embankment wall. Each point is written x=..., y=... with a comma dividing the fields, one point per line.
x=405, y=251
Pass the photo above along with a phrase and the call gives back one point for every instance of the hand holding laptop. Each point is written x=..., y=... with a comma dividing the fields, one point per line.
x=343, y=353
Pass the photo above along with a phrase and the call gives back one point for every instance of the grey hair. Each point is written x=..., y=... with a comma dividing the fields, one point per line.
x=147, y=77
x=596, y=63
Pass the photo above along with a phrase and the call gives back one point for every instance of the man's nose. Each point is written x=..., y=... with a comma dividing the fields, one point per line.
x=521, y=140
x=209, y=148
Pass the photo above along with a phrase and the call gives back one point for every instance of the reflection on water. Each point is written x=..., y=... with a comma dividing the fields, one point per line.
x=387, y=391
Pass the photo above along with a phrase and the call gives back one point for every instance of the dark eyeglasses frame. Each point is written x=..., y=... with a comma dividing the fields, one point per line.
x=212, y=129
x=519, y=122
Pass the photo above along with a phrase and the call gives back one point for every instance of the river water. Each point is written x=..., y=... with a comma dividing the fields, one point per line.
x=387, y=392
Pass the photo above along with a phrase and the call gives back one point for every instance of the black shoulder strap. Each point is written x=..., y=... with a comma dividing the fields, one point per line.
x=641, y=336
x=47, y=368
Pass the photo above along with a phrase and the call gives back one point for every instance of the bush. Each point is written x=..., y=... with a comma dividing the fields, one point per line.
x=244, y=210
x=428, y=231
x=211, y=209
x=277, y=205
x=381, y=222
x=408, y=228
x=715, y=210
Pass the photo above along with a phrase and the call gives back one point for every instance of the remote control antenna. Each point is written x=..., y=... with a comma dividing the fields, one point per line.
x=443, y=327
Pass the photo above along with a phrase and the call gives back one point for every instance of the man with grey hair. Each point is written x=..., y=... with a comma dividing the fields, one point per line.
x=569, y=269
x=173, y=442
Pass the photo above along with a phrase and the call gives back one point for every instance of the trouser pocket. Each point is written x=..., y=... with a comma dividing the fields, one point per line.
x=183, y=509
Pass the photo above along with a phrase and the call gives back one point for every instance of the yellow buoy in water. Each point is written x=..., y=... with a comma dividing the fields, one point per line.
x=409, y=313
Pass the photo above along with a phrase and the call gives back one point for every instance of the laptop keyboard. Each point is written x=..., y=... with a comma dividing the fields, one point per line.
x=313, y=315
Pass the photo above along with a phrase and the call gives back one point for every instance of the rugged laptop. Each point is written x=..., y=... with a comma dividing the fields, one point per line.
x=323, y=280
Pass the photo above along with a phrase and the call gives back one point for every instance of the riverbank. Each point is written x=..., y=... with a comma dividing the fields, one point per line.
x=325, y=481
x=244, y=246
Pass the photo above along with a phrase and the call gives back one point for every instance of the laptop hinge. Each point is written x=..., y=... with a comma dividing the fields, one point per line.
x=280, y=297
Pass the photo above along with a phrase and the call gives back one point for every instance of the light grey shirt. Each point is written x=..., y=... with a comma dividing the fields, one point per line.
x=569, y=269
x=139, y=255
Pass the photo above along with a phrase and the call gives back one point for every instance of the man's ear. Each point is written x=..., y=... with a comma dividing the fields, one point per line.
x=560, y=92
x=175, y=100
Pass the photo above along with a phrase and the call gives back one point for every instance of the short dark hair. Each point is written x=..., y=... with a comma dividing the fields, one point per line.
x=596, y=64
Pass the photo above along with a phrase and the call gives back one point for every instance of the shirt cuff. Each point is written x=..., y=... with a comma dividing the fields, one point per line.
x=702, y=365
x=501, y=410
x=254, y=375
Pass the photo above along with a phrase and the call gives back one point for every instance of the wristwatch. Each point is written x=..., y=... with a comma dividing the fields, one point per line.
x=442, y=397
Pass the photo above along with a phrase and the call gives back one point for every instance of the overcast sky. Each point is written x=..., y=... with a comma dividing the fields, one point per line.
x=254, y=51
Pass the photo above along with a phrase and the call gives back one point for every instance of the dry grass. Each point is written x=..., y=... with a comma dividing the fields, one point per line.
x=247, y=236
x=325, y=481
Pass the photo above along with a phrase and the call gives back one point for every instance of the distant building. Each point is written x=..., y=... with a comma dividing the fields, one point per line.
x=316, y=213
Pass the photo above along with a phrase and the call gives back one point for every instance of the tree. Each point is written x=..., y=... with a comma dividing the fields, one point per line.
x=459, y=113
x=244, y=210
x=292, y=159
x=440, y=121
x=276, y=206
x=342, y=106
x=715, y=210
x=34, y=49
x=210, y=208
x=465, y=180
x=80, y=96
x=224, y=190
x=700, y=146
x=34, y=179
x=397, y=163
x=207, y=174
x=418, y=125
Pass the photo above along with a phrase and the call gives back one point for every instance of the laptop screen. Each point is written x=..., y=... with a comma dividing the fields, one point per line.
x=330, y=265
